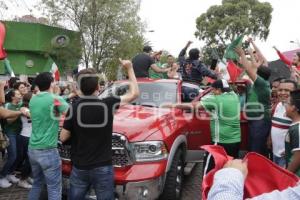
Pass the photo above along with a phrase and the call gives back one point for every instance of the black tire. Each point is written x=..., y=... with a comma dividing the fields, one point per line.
x=173, y=184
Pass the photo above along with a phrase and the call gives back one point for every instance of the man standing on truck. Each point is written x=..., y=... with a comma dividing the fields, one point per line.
x=89, y=126
x=192, y=69
x=143, y=62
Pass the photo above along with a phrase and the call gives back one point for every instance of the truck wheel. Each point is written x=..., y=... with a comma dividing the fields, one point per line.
x=173, y=183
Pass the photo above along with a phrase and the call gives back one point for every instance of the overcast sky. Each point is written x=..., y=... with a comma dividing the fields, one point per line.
x=174, y=22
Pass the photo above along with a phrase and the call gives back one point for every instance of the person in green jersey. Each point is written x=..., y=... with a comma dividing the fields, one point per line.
x=224, y=107
x=292, y=139
x=12, y=128
x=45, y=110
x=157, y=75
x=258, y=105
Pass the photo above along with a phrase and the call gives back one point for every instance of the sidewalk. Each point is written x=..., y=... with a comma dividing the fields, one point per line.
x=14, y=192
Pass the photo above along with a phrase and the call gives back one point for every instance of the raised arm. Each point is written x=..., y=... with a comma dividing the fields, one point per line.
x=133, y=91
x=258, y=52
x=282, y=57
x=181, y=56
x=250, y=67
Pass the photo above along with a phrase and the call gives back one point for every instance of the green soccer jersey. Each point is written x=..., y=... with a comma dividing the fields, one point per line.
x=292, y=143
x=225, y=117
x=45, y=120
x=259, y=99
x=15, y=126
x=155, y=75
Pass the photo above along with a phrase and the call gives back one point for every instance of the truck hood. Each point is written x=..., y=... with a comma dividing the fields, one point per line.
x=139, y=122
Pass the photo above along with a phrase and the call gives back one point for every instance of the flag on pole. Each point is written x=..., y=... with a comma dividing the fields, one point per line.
x=3, y=53
x=230, y=55
x=54, y=70
x=8, y=68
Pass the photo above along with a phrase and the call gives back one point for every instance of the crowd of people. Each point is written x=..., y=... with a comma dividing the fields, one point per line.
x=30, y=118
x=272, y=111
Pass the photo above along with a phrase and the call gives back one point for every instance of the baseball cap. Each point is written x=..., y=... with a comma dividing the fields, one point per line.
x=221, y=84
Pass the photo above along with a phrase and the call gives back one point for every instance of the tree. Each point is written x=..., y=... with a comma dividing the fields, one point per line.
x=223, y=23
x=109, y=29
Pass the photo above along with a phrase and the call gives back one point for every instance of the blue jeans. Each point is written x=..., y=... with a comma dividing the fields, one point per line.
x=46, y=168
x=279, y=161
x=258, y=134
x=12, y=153
x=23, y=160
x=101, y=178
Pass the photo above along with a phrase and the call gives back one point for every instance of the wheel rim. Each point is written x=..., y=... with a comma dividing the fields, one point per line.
x=178, y=180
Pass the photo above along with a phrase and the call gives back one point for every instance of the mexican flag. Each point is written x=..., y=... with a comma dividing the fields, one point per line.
x=230, y=55
x=54, y=70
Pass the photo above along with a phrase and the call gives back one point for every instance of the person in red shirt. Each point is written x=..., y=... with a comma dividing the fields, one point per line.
x=295, y=62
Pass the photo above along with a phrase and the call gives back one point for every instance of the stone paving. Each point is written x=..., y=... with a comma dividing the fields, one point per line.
x=191, y=187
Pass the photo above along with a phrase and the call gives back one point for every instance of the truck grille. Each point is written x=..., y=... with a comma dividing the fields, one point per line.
x=120, y=155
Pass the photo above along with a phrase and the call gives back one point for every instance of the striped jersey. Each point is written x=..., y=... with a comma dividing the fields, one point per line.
x=280, y=126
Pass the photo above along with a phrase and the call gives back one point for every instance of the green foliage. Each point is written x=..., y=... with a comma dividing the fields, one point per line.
x=109, y=29
x=223, y=23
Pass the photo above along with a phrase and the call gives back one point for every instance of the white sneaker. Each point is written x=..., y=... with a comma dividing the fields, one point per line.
x=4, y=183
x=24, y=184
x=29, y=180
x=12, y=178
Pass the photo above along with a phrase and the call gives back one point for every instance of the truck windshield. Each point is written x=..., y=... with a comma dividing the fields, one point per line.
x=151, y=94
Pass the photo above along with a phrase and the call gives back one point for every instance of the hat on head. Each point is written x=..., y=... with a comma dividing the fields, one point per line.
x=147, y=49
x=221, y=84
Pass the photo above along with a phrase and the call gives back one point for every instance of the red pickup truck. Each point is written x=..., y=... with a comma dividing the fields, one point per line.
x=152, y=145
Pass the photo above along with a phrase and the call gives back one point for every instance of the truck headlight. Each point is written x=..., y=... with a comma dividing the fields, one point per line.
x=149, y=151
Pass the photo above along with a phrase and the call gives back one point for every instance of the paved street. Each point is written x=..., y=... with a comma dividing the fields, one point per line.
x=191, y=187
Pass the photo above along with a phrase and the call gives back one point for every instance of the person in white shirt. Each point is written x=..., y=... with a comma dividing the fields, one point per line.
x=229, y=182
x=280, y=122
x=25, y=180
